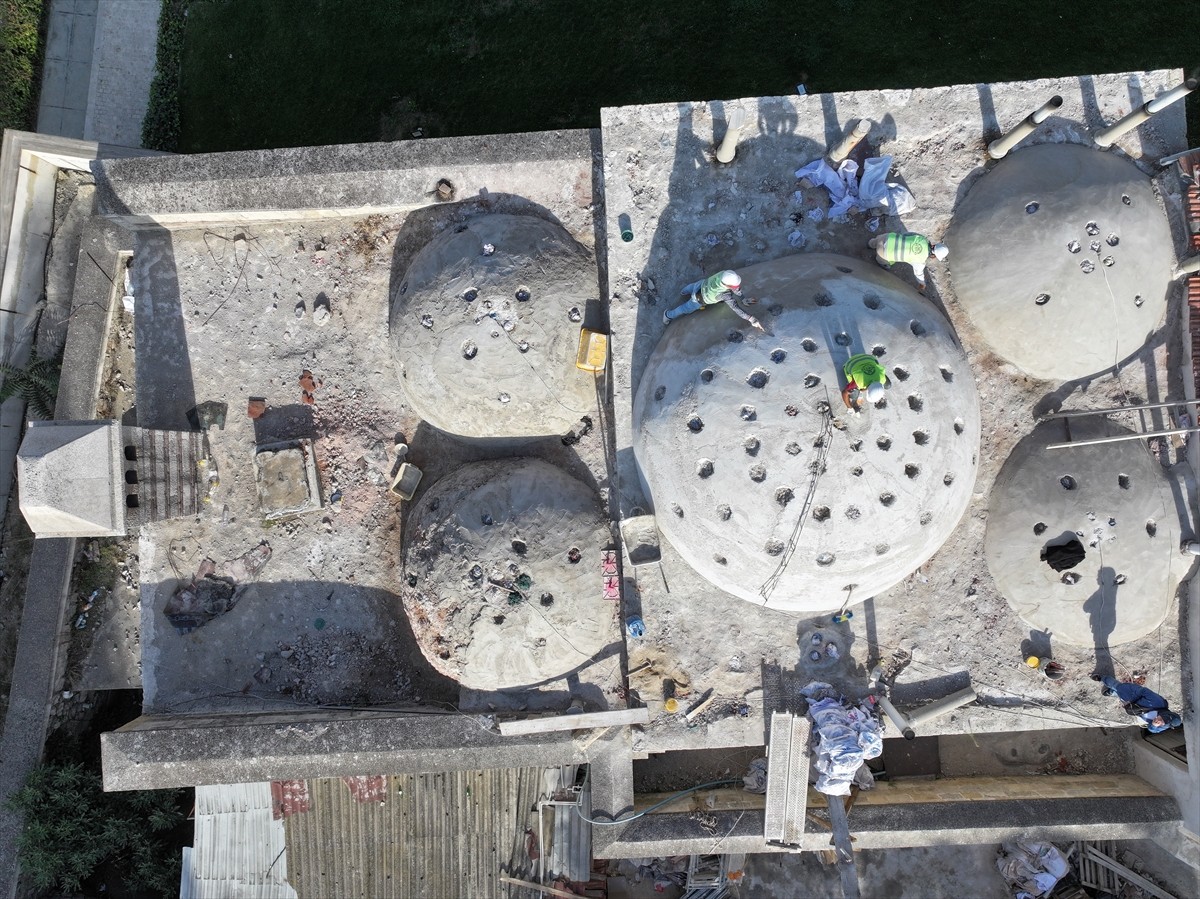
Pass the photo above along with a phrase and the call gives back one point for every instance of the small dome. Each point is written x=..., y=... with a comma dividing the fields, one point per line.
x=485, y=325
x=1115, y=500
x=502, y=574
x=763, y=492
x=1062, y=257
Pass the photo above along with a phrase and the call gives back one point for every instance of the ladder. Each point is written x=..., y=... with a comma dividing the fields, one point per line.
x=1142, y=435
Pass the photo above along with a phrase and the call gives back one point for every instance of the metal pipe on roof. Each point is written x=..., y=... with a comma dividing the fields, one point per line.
x=1000, y=147
x=1107, y=136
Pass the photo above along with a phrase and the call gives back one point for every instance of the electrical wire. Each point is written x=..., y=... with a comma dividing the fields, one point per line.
x=646, y=811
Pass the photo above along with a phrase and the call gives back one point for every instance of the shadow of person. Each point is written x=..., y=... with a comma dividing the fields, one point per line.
x=1101, y=608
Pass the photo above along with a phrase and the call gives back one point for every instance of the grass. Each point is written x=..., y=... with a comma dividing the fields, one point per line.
x=273, y=73
x=20, y=61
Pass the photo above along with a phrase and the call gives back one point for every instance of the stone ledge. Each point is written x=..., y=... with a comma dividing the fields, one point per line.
x=156, y=752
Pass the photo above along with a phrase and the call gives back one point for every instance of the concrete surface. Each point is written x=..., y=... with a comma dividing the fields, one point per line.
x=1062, y=256
x=67, y=70
x=181, y=751
x=931, y=872
x=485, y=527
x=122, y=70
x=72, y=477
x=486, y=341
x=690, y=217
x=1119, y=504
x=99, y=64
x=764, y=494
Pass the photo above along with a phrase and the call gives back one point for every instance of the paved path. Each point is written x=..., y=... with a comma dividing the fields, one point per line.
x=98, y=68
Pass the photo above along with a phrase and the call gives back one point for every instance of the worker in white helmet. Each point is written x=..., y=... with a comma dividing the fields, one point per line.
x=865, y=380
x=914, y=249
x=723, y=287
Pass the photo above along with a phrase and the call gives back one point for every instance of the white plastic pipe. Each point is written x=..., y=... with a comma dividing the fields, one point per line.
x=852, y=139
x=1108, y=136
x=942, y=707
x=728, y=147
x=1000, y=147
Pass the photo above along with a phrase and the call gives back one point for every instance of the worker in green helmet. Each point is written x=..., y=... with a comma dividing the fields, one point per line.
x=912, y=249
x=865, y=380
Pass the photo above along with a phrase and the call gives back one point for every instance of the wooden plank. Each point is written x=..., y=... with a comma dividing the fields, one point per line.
x=1121, y=871
x=528, y=885
x=585, y=721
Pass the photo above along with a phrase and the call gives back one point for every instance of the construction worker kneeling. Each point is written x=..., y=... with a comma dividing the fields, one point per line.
x=865, y=380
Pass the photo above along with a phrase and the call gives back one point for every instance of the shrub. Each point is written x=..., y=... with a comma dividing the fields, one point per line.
x=160, y=127
x=72, y=827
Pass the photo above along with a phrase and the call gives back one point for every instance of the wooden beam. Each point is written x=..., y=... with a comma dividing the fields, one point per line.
x=585, y=721
x=529, y=885
x=1121, y=871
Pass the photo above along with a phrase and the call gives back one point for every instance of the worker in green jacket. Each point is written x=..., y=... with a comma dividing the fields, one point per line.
x=723, y=287
x=913, y=249
x=865, y=379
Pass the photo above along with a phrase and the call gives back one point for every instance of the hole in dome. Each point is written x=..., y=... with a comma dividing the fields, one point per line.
x=886, y=499
x=881, y=549
x=1068, y=482
x=1123, y=481
x=842, y=339
x=947, y=373
x=843, y=269
x=522, y=294
x=660, y=391
x=821, y=513
x=853, y=513
x=784, y=495
x=948, y=479
x=826, y=559
x=915, y=402
x=884, y=443
x=470, y=295
x=823, y=299
x=911, y=470
x=748, y=413
x=856, y=446
x=917, y=328
x=735, y=336
x=1151, y=527
x=1112, y=240
x=879, y=351
x=720, y=559
x=1074, y=246
x=809, y=345
x=778, y=355
x=774, y=547
x=811, y=380
x=926, y=517
x=1039, y=529
x=1087, y=266
x=751, y=445
x=1137, y=300
x=920, y=438
x=724, y=512
x=1125, y=199
x=469, y=349
x=900, y=372
x=758, y=473
x=707, y=375
x=871, y=301
x=856, y=471
x=1031, y=208
x=695, y=424
x=792, y=449
x=959, y=426
x=1092, y=228
x=704, y=468
x=758, y=378
x=1042, y=299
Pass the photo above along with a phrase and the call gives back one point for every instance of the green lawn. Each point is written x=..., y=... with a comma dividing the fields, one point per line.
x=273, y=73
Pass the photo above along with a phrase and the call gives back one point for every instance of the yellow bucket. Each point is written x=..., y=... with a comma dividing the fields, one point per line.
x=593, y=351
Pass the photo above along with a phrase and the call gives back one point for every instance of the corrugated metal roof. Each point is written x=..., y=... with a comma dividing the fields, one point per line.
x=433, y=836
x=238, y=850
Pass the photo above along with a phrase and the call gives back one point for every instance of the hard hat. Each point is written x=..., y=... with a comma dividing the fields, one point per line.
x=875, y=392
x=731, y=279
x=940, y=250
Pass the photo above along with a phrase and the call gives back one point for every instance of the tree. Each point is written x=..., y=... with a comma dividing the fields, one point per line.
x=36, y=383
x=72, y=827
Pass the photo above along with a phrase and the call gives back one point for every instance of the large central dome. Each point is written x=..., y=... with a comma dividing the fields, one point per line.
x=761, y=478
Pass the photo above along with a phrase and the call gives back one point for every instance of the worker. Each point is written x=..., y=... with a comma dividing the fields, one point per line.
x=914, y=249
x=865, y=380
x=723, y=287
x=1147, y=705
